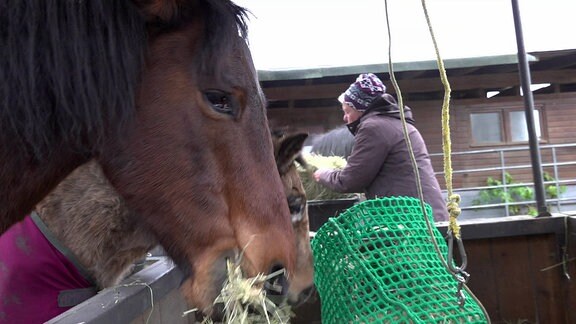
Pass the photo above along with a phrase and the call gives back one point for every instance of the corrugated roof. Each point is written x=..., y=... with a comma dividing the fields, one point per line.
x=273, y=75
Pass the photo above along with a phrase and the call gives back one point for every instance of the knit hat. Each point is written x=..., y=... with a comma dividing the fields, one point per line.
x=363, y=92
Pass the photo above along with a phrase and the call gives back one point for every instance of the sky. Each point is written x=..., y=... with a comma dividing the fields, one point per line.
x=293, y=34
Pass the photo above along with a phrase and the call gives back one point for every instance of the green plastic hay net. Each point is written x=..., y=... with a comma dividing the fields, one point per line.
x=376, y=263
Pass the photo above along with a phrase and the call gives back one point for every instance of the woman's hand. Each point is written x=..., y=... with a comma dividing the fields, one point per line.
x=318, y=173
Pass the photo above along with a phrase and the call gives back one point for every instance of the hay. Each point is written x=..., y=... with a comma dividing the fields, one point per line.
x=314, y=190
x=245, y=300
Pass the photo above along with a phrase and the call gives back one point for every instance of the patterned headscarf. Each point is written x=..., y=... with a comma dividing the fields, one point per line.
x=363, y=91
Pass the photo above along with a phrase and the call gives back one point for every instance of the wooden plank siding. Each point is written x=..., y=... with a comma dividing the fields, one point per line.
x=509, y=269
x=559, y=109
x=521, y=278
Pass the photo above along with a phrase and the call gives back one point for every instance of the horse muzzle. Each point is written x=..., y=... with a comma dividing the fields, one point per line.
x=275, y=289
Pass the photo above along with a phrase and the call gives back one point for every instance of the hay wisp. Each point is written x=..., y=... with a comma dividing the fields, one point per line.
x=245, y=301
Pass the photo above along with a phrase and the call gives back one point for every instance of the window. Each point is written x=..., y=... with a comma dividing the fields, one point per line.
x=503, y=126
x=486, y=127
x=518, y=128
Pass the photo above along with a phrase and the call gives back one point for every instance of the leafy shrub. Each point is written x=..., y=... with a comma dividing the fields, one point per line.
x=515, y=194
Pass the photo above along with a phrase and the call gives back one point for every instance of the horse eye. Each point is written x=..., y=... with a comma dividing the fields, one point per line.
x=220, y=101
x=296, y=204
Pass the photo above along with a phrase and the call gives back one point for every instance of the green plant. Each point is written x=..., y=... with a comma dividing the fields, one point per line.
x=552, y=191
x=515, y=194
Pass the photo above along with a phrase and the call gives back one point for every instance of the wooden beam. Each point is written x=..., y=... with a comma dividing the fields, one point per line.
x=488, y=81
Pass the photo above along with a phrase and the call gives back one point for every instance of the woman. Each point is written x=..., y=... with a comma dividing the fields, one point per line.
x=379, y=164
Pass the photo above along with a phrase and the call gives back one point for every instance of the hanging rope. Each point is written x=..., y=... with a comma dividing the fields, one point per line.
x=407, y=138
x=453, y=199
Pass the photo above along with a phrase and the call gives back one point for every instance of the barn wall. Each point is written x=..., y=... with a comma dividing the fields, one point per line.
x=555, y=124
x=517, y=271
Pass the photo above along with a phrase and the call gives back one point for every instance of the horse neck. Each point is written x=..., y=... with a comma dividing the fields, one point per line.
x=85, y=214
x=105, y=250
x=30, y=181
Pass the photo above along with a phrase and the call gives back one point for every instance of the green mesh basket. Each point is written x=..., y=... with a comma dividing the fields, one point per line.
x=376, y=263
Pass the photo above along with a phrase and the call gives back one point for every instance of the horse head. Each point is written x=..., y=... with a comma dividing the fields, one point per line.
x=86, y=214
x=164, y=94
x=194, y=163
x=288, y=150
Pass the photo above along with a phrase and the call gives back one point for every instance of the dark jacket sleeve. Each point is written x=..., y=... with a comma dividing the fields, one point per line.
x=370, y=150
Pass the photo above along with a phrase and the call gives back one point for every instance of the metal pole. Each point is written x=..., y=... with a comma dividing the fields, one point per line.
x=529, y=109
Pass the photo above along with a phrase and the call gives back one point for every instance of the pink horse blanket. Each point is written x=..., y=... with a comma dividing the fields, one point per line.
x=34, y=274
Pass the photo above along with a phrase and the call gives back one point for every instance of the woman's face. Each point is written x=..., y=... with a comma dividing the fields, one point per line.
x=350, y=114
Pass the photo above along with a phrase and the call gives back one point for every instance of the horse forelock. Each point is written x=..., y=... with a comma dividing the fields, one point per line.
x=68, y=71
x=225, y=24
x=219, y=26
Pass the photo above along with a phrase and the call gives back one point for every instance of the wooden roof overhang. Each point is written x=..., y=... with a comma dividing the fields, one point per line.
x=469, y=78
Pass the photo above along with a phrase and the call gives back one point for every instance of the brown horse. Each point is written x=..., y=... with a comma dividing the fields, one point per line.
x=85, y=214
x=287, y=150
x=164, y=95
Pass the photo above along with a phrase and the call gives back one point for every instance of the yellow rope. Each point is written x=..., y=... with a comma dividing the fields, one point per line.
x=453, y=199
x=409, y=143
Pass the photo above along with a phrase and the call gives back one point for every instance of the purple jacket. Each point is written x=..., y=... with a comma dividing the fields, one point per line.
x=35, y=276
x=380, y=163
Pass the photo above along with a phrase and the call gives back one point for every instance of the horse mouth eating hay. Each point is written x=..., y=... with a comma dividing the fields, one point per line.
x=164, y=95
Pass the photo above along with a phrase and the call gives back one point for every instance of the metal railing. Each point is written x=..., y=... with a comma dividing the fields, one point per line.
x=502, y=169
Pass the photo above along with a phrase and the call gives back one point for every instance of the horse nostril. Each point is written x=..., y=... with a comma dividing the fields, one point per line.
x=277, y=285
x=216, y=316
x=307, y=296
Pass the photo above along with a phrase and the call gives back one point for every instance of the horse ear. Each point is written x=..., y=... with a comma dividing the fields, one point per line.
x=158, y=10
x=290, y=149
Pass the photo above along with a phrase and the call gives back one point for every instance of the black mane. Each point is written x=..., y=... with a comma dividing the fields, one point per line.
x=224, y=21
x=68, y=70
